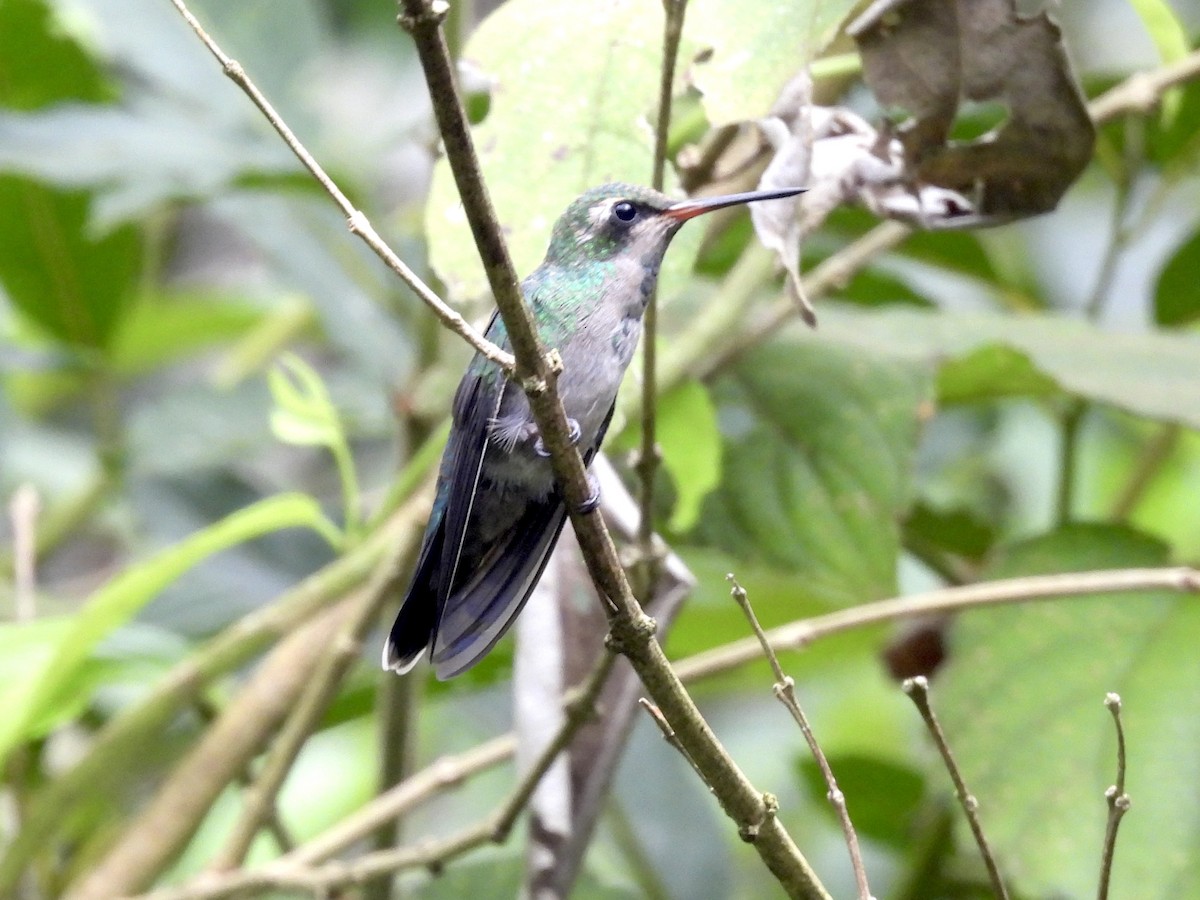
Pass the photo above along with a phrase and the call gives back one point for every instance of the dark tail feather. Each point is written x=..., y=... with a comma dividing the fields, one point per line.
x=413, y=629
x=478, y=614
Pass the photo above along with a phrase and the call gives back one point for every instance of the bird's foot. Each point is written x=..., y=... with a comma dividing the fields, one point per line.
x=592, y=503
x=573, y=434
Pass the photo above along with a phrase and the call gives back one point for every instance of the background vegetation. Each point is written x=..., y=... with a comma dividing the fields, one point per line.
x=219, y=410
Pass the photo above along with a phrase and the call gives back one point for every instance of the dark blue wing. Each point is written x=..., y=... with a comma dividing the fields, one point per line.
x=482, y=555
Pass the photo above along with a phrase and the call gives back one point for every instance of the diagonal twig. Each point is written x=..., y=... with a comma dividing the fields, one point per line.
x=785, y=693
x=650, y=456
x=1118, y=801
x=917, y=690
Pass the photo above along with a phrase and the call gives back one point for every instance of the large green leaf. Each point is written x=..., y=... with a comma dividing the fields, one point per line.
x=1021, y=702
x=818, y=450
x=120, y=599
x=39, y=63
x=1150, y=374
x=569, y=116
x=76, y=285
x=71, y=282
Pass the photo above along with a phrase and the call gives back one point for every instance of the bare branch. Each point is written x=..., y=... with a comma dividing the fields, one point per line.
x=1118, y=801
x=671, y=737
x=650, y=457
x=918, y=691
x=117, y=747
x=1142, y=91
x=785, y=693
x=355, y=219
x=797, y=635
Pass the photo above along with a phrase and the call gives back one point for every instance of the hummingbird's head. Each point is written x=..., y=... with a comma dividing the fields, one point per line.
x=628, y=220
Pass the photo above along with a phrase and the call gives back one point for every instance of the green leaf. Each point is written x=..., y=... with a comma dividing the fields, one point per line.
x=990, y=372
x=303, y=415
x=39, y=63
x=1022, y=705
x=819, y=441
x=1177, y=292
x=754, y=52
x=1155, y=375
x=75, y=284
x=958, y=531
x=691, y=446
x=572, y=115
x=873, y=287
x=120, y=599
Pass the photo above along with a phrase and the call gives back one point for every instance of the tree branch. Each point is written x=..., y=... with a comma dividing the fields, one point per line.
x=1118, y=801
x=785, y=693
x=650, y=457
x=117, y=747
x=798, y=635
x=917, y=690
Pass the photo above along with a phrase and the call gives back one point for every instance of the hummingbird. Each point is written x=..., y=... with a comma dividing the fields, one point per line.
x=497, y=513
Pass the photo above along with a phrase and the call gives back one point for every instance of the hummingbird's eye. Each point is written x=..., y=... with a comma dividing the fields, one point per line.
x=625, y=211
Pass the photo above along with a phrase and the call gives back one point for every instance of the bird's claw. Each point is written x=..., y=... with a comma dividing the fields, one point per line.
x=573, y=434
x=593, y=499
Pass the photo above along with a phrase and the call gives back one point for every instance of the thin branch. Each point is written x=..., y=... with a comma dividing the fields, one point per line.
x=669, y=735
x=1118, y=801
x=449, y=772
x=274, y=824
x=918, y=691
x=165, y=824
x=785, y=693
x=397, y=701
x=650, y=457
x=797, y=635
x=832, y=274
x=444, y=774
x=355, y=219
x=701, y=170
x=1142, y=91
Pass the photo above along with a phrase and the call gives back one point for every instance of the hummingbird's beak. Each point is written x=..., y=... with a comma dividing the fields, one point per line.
x=688, y=209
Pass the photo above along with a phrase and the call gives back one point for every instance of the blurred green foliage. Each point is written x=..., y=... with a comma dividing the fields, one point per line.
x=974, y=405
